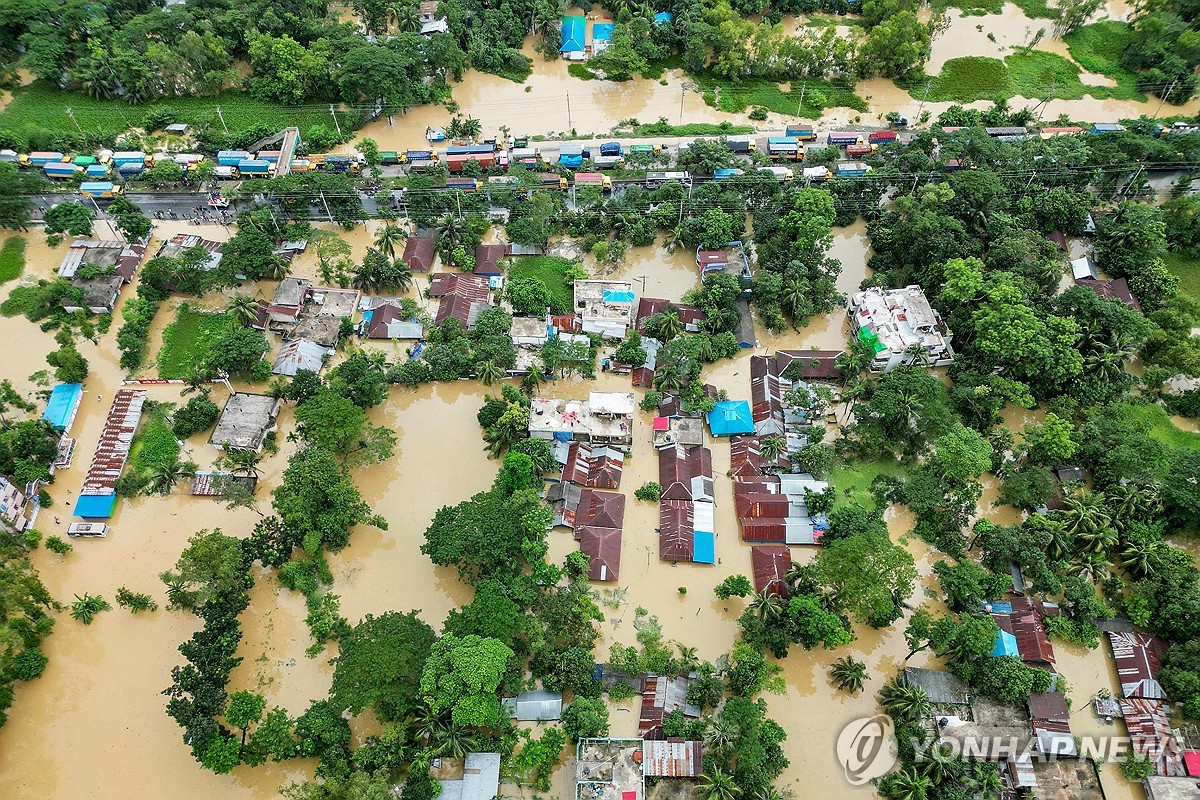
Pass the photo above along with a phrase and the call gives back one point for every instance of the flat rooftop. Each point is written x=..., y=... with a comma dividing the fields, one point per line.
x=608, y=769
x=605, y=300
x=244, y=421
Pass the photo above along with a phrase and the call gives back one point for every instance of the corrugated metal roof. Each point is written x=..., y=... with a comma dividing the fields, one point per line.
x=534, y=706
x=672, y=758
x=685, y=473
x=603, y=548
x=1150, y=734
x=771, y=563
x=1138, y=658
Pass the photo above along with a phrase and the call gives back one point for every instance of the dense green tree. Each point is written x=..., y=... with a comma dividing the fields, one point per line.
x=379, y=664
x=462, y=675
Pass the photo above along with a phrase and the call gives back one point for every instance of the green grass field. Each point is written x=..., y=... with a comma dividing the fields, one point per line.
x=976, y=8
x=818, y=95
x=966, y=80
x=853, y=480
x=187, y=339
x=1098, y=48
x=551, y=270
x=12, y=259
x=1036, y=9
x=1025, y=74
x=1187, y=269
x=1161, y=427
x=43, y=107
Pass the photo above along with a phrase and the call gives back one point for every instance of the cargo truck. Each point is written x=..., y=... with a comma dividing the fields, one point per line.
x=570, y=155
x=10, y=156
x=225, y=173
x=60, y=169
x=463, y=184
x=611, y=149
x=655, y=179
x=123, y=157
x=781, y=174
x=469, y=149
x=851, y=169
x=99, y=190
x=815, y=174
x=843, y=138
x=645, y=149
x=608, y=162
x=389, y=157
x=1107, y=128
x=860, y=149
x=882, y=137
x=456, y=162
x=722, y=174
x=802, y=132
x=594, y=179
x=339, y=165
x=741, y=144
x=83, y=161
x=231, y=158
x=255, y=168
x=549, y=180
x=787, y=147
x=40, y=158
x=96, y=170
x=131, y=168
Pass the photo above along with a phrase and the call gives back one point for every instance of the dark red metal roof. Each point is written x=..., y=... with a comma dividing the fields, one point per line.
x=603, y=547
x=649, y=306
x=598, y=468
x=600, y=510
x=681, y=468
x=419, y=251
x=771, y=564
x=814, y=364
x=676, y=531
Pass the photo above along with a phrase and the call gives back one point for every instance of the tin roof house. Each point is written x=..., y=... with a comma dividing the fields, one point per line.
x=685, y=473
x=1139, y=660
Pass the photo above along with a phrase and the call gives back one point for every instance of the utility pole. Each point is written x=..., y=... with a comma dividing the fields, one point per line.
x=327, y=212
x=921, y=108
x=682, y=93
x=221, y=117
x=800, y=106
x=458, y=203
x=71, y=114
x=333, y=113
x=569, y=125
x=1042, y=106
x=1161, y=100
x=1032, y=175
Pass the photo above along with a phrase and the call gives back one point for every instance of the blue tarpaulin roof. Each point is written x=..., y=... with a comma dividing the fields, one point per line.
x=662, y=18
x=64, y=400
x=617, y=296
x=95, y=506
x=1006, y=644
x=602, y=31
x=730, y=418
x=704, y=549
x=574, y=32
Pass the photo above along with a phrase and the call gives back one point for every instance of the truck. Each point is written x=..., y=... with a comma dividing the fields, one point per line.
x=10, y=156
x=84, y=161
x=255, y=168
x=655, y=179
x=851, y=169
x=131, y=168
x=415, y=156
x=96, y=170
x=60, y=169
x=230, y=158
x=593, y=179
x=741, y=144
x=340, y=164
x=882, y=137
x=123, y=157
x=456, y=162
x=463, y=184
x=520, y=141
x=608, y=162
x=645, y=149
x=270, y=155
x=1007, y=132
x=611, y=149
x=722, y=174
x=782, y=174
x=469, y=149
x=550, y=180
x=524, y=155
x=435, y=135
x=802, y=132
x=503, y=180
x=99, y=190
x=784, y=147
x=301, y=165
x=225, y=173
x=843, y=138
x=815, y=174
x=861, y=149
x=570, y=155
x=390, y=157
x=40, y=158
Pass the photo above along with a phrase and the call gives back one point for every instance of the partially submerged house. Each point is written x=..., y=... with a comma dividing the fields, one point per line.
x=770, y=565
x=766, y=396
x=602, y=546
x=181, y=242
x=285, y=306
x=660, y=696
x=774, y=509
x=537, y=705
x=98, y=495
x=16, y=509
x=604, y=418
x=900, y=325
x=1051, y=722
x=941, y=687
x=1116, y=289
x=596, y=467
x=605, y=307
x=487, y=259
x=1151, y=736
x=420, y=251
x=729, y=260
x=480, y=779
x=818, y=365
x=299, y=354
x=1021, y=632
x=387, y=321
x=672, y=758
x=685, y=473
x=574, y=38
x=1139, y=661
x=686, y=531
x=731, y=418
x=62, y=406
x=690, y=316
x=672, y=431
x=463, y=297
x=245, y=421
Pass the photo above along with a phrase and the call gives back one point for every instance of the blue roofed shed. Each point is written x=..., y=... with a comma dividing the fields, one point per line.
x=574, y=34
x=662, y=17
x=95, y=506
x=731, y=418
x=705, y=549
x=1006, y=644
x=63, y=404
x=601, y=36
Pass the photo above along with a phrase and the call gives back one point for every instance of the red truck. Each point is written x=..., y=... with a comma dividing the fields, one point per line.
x=455, y=163
x=881, y=137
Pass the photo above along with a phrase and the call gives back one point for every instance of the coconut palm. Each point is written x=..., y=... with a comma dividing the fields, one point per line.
x=471, y=128
x=1058, y=546
x=1085, y=513
x=768, y=793
x=1090, y=566
x=427, y=724
x=721, y=735
x=453, y=741
x=904, y=700
x=688, y=658
x=532, y=382
x=389, y=236
x=767, y=606
x=243, y=308
x=279, y=269
x=1132, y=501
x=1138, y=557
x=854, y=361
x=770, y=448
x=794, y=297
x=668, y=378
x=452, y=230
x=938, y=764
x=488, y=372
x=848, y=674
x=986, y=781
x=163, y=477
x=669, y=326
x=717, y=784
x=196, y=381
x=405, y=16
x=908, y=785
x=243, y=461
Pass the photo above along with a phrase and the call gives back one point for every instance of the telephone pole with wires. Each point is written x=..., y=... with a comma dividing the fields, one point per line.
x=336, y=124
x=1164, y=97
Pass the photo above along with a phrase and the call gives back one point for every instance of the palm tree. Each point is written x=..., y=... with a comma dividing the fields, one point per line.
x=401, y=279
x=1131, y=501
x=1087, y=518
x=1138, y=557
x=279, y=269
x=720, y=735
x=243, y=461
x=717, y=784
x=243, y=308
x=767, y=605
x=908, y=785
x=452, y=229
x=405, y=16
x=389, y=236
x=427, y=724
x=453, y=741
x=938, y=764
x=532, y=381
x=985, y=781
x=196, y=381
x=688, y=658
x=488, y=372
x=163, y=477
x=917, y=355
x=770, y=448
x=848, y=674
x=87, y=607
x=904, y=700
x=1090, y=566
x=794, y=297
x=1059, y=544
x=669, y=326
x=668, y=378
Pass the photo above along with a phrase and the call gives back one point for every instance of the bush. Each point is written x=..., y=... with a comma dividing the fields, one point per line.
x=135, y=601
x=199, y=414
x=12, y=259
x=131, y=338
x=586, y=718
x=650, y=491
x=56, y=544
x=621, y=690
x=29, y=664
x=734, y=586
x=758, y=114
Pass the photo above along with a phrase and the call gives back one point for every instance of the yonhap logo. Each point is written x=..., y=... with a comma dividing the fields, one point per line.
x=866, y=748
